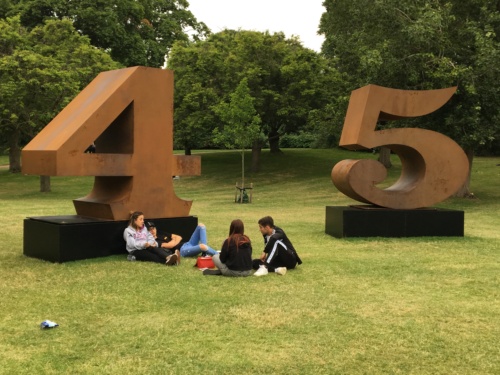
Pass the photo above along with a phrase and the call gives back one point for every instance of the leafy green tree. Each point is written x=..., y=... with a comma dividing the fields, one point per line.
x=200, y=84
x=41, y=71
x=326, y=121
x=424, y=44
x=133, y=32
x=285, y=79
x=241, y=122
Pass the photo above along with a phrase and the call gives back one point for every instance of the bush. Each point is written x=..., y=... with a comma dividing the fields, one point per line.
x=300, y=140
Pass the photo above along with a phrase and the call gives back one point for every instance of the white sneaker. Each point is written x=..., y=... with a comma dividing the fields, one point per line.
x=280, y=271
x=262, y=271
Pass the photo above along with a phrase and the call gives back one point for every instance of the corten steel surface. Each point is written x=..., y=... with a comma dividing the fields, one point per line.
x=129, y=115
x=433, y=166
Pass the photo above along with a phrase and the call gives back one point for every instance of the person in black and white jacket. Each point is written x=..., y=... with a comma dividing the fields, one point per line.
x=279, y=253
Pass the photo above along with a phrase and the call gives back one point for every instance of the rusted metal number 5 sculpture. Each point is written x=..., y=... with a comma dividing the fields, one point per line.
x=433, y=166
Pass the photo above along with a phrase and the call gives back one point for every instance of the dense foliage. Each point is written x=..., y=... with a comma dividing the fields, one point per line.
x=133, y=32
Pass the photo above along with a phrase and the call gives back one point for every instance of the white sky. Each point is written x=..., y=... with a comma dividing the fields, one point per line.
x=293, y=17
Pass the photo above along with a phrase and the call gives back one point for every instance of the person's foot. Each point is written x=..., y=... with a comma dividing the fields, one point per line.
x=211, y=272
x=171, y=260
x=262, y=271
x=280, y=271
x=178, y=253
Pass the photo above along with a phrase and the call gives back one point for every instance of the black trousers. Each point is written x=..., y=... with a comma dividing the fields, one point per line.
x=280, y=257
x=152, y=254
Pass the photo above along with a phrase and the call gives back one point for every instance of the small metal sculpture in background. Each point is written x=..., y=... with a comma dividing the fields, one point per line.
x=433, y=166
x=129, y=115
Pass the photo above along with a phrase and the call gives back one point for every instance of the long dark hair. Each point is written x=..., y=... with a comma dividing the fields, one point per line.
x=133, y=217
x=237, y=233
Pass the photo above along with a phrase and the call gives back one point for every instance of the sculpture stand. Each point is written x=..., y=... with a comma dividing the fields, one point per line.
x=66, y=238
x=372, y=221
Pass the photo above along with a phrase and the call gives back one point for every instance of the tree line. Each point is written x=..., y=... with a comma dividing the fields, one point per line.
x=50, y=50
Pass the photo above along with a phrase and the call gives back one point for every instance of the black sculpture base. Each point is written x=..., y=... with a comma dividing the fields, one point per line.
x=370, y=221
x=67, y=238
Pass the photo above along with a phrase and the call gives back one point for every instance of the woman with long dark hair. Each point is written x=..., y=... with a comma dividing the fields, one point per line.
x=235, y=258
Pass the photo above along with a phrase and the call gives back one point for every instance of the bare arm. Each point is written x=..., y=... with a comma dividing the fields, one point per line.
x=172, y=243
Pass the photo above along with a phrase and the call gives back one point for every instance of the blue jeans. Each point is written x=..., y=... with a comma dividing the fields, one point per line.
x=192, y=247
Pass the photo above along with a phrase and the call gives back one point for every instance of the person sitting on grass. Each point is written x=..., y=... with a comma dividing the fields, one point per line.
x=235, y=258
x=166, y=241
x=197, y=244
x=141, y=244
x=279, y=253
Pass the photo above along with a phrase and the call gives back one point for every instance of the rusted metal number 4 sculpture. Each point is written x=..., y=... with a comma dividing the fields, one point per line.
x=129, y=115
x=433, y=166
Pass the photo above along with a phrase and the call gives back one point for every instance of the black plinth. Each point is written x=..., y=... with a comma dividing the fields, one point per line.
x=67, y=238
x=369, y=221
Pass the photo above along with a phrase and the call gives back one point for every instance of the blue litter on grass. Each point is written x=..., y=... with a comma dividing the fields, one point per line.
x=48, y=324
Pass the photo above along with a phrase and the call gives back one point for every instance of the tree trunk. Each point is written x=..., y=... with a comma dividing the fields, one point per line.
x=464, y=191
x=384, y=157
x=274, y=143
x=243, y=168
x=14, y=152
x=256, y=151
x=45, y=184
x=187, y=151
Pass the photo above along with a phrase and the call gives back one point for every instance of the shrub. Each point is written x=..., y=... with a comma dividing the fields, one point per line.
x=300, y=140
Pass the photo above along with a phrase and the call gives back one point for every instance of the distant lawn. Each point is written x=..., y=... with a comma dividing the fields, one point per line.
x=4, y=160
x=356, y=306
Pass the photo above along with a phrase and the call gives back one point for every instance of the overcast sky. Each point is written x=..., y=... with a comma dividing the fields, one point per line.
x=293, y=17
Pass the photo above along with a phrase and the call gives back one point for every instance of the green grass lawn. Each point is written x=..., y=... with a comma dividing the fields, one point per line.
x=355, y=306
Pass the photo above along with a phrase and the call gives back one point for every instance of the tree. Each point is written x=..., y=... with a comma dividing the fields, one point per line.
x=240, y=122
x=134, y=32
x=424, y=44
x=40, y=72
x=334, y=90
x=384, y=157
x=284, y=79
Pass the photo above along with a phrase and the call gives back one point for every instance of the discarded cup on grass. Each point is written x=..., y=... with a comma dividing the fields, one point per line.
x=48, y=324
